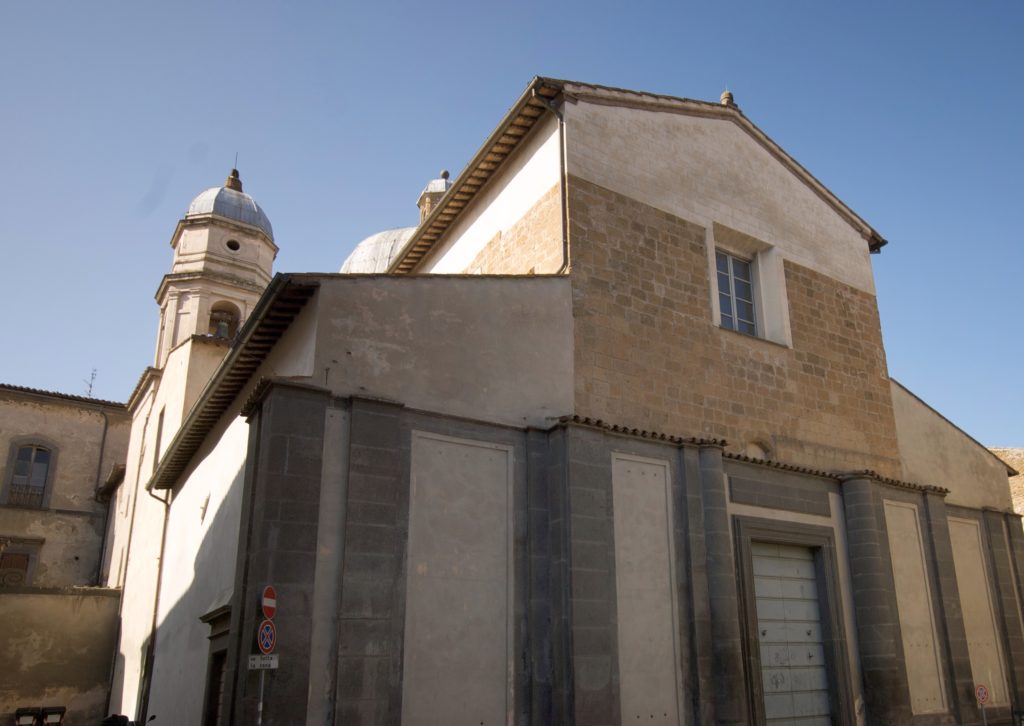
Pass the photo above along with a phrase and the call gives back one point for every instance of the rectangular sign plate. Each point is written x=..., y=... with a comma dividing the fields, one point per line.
x=263, y=662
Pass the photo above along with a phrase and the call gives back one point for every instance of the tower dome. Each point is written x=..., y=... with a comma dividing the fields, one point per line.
x=230, y=202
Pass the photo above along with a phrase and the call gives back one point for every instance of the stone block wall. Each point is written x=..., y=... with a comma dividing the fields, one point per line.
x=532, y=245
x=649, y=355
x=1015, y=458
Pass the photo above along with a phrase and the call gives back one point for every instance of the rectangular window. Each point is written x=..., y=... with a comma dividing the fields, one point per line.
x=14, y=568
x=28, y=484
x=735, y=293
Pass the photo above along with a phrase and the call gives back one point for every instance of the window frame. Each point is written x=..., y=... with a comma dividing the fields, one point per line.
x=27, y=546
x=768, y=281
x=732, y=294
x=16, y=445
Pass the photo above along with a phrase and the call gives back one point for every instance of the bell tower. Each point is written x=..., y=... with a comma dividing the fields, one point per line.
x=223, y=256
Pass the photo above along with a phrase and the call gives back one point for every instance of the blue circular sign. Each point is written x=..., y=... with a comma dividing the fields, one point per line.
x=266, y=637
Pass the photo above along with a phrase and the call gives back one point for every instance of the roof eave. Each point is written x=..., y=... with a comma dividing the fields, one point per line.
x=475, y=175
x=277, y=308
x=502, y=142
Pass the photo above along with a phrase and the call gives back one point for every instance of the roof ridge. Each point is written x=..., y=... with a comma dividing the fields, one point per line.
x=65, y=396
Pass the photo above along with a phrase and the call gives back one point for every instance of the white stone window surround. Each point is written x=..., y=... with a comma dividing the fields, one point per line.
x=771, y=309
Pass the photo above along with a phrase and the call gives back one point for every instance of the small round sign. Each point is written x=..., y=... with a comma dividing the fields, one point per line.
x=266, y=637
x=269, y=602
x=981, y=693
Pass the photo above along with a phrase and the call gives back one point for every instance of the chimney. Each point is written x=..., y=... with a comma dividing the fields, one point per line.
x=432, y=194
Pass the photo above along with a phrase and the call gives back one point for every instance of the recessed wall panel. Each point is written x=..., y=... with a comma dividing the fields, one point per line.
x=457, y=626
x=913, y=597
x=648, y=632
x=972, y=581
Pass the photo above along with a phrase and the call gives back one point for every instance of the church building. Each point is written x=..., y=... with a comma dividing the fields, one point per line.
x=607, y=438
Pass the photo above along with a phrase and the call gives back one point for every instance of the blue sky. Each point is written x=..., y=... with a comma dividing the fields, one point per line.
x=116, y=114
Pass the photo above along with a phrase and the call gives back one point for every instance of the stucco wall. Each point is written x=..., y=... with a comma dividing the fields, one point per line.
x=710, y=170
x=936, y=452
x=198, y=572
x=56, y=651
x=917, y=623
x=488, y=348
x=984, y=642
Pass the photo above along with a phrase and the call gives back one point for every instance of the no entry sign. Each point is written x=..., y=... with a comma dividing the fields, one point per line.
x=269, y=602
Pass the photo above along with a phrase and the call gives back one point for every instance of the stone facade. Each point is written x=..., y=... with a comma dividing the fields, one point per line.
x=532, y=246
x=649, y=354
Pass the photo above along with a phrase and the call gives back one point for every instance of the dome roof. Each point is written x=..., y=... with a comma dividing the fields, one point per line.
x=230, y=202
x=377, y=252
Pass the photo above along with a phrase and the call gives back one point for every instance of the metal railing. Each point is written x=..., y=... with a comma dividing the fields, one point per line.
x=20, y=495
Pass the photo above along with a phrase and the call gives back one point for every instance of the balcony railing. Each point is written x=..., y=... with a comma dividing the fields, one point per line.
x=25, y=496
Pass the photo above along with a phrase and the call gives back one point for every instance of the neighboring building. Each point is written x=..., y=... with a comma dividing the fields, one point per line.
x=1015, y=458
x=61, y=454
x=607, y=438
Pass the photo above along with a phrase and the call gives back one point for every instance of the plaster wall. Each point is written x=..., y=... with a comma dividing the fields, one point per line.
x=70, y=544
x=57, y=651
x=710, y=170
x=458, y=627
x=913, y=594
x=489, y=348
x=140, y=517
x=936, y=452
x=506, y=198
x=198, y=572
x=647, y=607
x=983, y=641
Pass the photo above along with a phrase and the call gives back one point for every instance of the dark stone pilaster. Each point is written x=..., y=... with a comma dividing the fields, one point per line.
x=371, y=622
x=1005, y=596
x=886, y=691
x=702, y=678
x=952, y=634
x=593, y=596
x=539, y=608
x=562, y=692
x=277, y=546
x=730, y=691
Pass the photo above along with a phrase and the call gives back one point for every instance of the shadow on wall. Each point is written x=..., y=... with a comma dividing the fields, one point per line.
x=190, y=647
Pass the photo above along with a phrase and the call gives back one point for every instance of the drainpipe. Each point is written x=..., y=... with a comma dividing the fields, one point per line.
x=564, y=181
x=147, y=668
x=106, y=515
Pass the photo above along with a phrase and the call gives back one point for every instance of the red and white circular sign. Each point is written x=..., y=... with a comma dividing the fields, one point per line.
x=269, y=602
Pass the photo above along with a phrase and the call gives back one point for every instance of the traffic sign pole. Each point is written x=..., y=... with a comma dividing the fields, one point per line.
x=266, y=639
x=982, y=694
x=259, y=704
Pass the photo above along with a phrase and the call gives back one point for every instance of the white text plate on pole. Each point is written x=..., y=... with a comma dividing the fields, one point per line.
x=263, y=662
